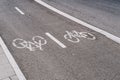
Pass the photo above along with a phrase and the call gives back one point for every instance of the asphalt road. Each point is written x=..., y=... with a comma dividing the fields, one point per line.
x=97, y=59
x=104, y=14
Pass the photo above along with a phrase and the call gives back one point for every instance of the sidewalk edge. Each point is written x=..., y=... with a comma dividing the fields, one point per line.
x=107, y=34
x=12, y=60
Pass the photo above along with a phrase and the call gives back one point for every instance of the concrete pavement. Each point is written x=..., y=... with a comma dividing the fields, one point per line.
x=6, y=71
x=41, y=58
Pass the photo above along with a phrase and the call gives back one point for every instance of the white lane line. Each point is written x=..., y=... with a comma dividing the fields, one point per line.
x=21, y=12
x=56, y=40
x=109, y=35
x=12, y=61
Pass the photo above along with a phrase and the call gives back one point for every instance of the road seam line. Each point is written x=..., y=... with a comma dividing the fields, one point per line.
x=56, y=40
x=107, y=34
x=12, y=61
x=20, y=11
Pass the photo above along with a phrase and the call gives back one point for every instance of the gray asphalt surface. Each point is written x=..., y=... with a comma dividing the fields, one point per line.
x=104, y=14
x=87, y=60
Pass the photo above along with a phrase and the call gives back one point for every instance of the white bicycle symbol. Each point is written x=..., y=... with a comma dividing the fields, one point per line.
x=38, y=42
x=74, y=36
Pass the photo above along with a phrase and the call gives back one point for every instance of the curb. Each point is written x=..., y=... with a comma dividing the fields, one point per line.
x=12, y=60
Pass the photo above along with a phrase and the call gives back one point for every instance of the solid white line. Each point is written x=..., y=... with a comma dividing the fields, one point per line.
x=109, y=35
x=12, y=61
x=21, y=12
x=56, y=40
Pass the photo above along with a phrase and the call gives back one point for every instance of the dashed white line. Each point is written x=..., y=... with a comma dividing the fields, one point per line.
x=12, y=61
x=56, y=40
x=20, y=11
x=109, y=35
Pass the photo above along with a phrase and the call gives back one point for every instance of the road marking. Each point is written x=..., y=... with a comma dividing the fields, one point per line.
x=37, y=42
x=56, y=40
x=109, y=35
x=21, y=12
x=74, y=36
x=12, y=61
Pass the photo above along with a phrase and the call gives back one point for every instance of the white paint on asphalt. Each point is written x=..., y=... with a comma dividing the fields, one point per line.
x=20, y=11
x=56, y=40
x=109, y=35
x=36, y=43
x=12, y=61
x=74, y=36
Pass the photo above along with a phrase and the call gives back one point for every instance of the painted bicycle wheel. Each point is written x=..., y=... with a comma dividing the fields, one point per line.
x=87, y=35
x=19, y=43
x=71, y=38
x=39, y=40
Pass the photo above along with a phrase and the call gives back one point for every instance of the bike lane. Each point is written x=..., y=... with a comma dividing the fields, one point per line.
x=97, y=59
x=88, y=59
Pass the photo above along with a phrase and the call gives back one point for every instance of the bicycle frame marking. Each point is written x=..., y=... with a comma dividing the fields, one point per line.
x=74, y=36
x=36, y=43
